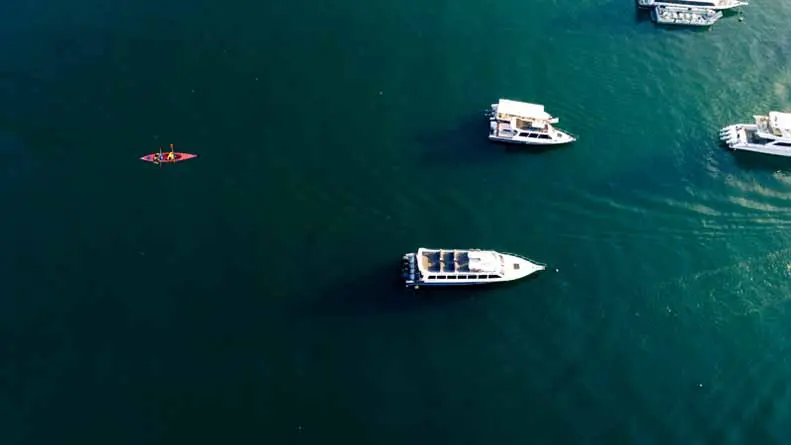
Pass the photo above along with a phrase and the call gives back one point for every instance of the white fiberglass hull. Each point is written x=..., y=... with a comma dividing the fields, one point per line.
x=765, y=149
x=738, y=137
x=516, y=268
x=562, y=138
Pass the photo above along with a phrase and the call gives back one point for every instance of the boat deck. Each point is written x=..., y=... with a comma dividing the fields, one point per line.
x=445, y=261
x=532, y=125
x=671, y=15
x=779, y=127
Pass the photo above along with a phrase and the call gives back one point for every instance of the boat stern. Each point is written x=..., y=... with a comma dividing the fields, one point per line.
x=409, y=271
x=733, y=134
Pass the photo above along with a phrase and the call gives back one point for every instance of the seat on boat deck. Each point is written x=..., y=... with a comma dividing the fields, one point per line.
x=463, y=262
x=448, y=265
x=433, y=261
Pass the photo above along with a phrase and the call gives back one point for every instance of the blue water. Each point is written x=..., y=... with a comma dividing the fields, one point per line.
x=251, y=295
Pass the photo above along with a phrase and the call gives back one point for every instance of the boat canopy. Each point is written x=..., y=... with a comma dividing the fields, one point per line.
x=780, y=122
x=483, y=262
x=522, y=109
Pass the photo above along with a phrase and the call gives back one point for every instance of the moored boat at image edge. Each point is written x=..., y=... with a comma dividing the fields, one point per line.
x=768, y=134
x=718, y=5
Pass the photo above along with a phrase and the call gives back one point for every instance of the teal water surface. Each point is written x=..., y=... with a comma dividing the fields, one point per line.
x=251, y=295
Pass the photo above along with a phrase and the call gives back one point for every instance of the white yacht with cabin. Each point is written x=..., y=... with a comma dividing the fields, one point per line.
x=770, y=134
x=453, y=267
x=680, y=15
x=525, y=123
x=718, y=5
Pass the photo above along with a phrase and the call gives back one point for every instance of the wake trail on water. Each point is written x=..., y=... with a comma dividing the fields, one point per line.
x=656, y=217
x=738, y=278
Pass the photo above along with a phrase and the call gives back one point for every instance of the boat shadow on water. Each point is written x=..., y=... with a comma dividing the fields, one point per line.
x=518, y=149
x=380, y=291
x=642, y=14
x=684, y=28
x=465, y=143
x=762, y=162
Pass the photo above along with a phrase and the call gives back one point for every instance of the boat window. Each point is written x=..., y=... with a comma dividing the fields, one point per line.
x=516, y=266
x=783, y=144
x=494, y=276
x=430, y=277
x=544, y=136
x=441, y=277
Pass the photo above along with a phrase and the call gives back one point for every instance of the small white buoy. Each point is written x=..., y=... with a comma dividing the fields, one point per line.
x=557, y=270
x=700, y=385
x=380, y=93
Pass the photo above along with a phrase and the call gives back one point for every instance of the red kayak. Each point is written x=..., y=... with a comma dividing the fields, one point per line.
x=166, y=157
x=177, y=157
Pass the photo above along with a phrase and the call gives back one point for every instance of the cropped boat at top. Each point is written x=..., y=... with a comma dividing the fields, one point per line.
x=677, y=15
x=453, y=267
x=718, y=5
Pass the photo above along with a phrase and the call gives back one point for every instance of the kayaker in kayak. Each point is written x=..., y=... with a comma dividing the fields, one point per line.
x=171, y=156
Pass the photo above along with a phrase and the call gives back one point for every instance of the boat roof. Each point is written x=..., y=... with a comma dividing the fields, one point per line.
x=483, y=261
x=477, y=261
x=781, y=121
x=522, y=109
x=778, y=124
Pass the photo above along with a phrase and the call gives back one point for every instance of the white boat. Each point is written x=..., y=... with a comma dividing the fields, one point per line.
x=453, y=267
x=680, y=15
x=770, y=134
x=718, y=5
x=525, y=123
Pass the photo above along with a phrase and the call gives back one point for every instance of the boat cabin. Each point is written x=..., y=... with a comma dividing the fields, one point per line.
x=459, y=265
x=775, y=125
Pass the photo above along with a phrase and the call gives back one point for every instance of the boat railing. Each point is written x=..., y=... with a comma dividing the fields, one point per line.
x=522, y=257
x=566, y=132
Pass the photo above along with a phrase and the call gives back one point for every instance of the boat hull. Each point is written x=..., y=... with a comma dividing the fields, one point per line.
x=537, y=143
x=763, y=149
x=514, y=267
x=178, y=157
x=738, y=138
x=680, y=17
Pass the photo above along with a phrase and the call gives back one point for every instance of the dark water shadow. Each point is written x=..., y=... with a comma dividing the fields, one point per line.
x=683, y=28
x=762, y=162
x=380, y=290
x=518, y=149
x=641, y=15
x=464, y=143
x=734, y=12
